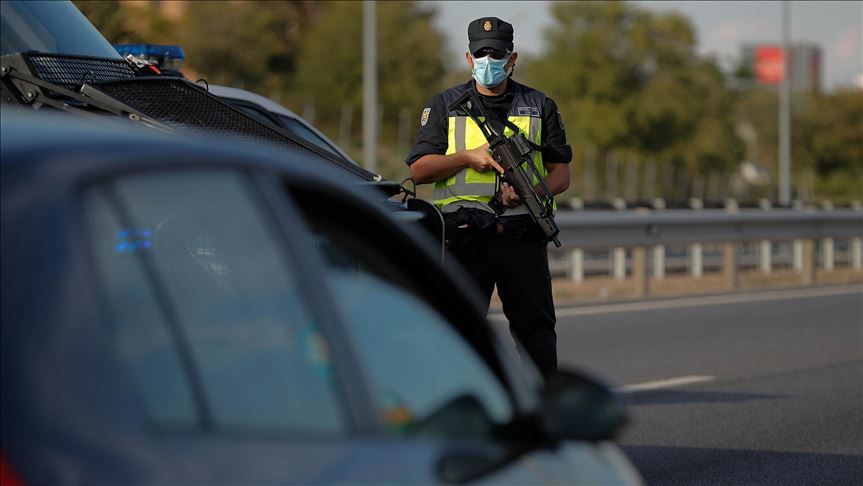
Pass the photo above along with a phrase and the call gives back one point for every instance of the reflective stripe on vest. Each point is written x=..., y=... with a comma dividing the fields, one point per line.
x=469, y=188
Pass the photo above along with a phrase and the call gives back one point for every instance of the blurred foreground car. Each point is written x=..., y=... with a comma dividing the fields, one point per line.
x=180, y=311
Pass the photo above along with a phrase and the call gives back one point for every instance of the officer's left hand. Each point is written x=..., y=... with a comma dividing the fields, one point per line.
x=510, y=197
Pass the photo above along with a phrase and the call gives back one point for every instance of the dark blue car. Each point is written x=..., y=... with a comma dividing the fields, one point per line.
x=179, y=311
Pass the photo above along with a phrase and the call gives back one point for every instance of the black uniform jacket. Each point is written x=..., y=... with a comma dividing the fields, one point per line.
x=432, y=134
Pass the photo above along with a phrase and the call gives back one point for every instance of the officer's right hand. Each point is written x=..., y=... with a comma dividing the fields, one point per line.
x=480, y=160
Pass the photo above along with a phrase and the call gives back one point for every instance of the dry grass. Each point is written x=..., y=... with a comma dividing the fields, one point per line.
x=604, y=289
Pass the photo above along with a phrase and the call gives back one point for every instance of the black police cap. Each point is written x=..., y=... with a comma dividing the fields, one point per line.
x=489, y=32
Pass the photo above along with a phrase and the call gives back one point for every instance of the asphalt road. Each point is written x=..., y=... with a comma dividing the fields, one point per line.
x=759, y=388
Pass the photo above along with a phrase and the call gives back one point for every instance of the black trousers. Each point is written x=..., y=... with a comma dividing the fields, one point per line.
x=519, y=268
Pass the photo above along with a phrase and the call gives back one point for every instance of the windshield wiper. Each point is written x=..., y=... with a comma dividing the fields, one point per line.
x=32, y=89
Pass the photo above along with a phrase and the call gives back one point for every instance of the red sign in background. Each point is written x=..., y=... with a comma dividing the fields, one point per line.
x=769, y=68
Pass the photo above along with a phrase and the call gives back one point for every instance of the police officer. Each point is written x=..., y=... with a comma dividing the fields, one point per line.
x=451, y=152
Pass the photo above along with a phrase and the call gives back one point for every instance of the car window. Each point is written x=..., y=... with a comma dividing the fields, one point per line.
x=293, y=126
x=427, y=380
x=254, y=112
x=299, y=129
x=232, y=344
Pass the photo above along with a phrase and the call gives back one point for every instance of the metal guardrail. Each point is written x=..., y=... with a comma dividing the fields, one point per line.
x=649, y=231
x=596, y=229
x=678, y=259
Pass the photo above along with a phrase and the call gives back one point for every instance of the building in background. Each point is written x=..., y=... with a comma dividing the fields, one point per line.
x=765, y=62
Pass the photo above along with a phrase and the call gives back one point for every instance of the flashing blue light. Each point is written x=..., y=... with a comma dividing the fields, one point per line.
x=167, y=57
x=130, y=241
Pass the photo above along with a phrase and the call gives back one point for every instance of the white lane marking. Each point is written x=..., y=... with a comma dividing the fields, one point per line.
x=702, y=301
x=668, y=383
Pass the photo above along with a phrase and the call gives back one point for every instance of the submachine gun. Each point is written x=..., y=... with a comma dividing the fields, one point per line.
x=511, y=153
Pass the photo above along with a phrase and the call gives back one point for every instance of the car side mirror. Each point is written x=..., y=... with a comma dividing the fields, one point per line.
x=580, y=408
x=463, y=416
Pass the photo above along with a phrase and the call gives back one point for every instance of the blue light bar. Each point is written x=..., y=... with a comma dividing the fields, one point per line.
x=167, y=57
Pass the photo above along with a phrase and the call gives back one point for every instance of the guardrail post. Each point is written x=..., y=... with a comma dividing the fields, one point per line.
x=576, y=265
x=729, y=254
x=857, y=243
x=696, y=260
x=639, y=272
x=765, y=263
x=659, y=250
x=729, y=265
x=827, y=246
x=808, y=266
x=857, y=254
x=765, y=249
x=696, y=250
x=659, y=262
x=827, y=254
x=797, y=244
x=618, y=253
x=618, y=263
x=797, y=255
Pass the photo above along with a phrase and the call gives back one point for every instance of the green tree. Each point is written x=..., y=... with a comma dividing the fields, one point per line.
x=827, y=139
x=829, y=132
x=120, y=24
x=110, y=19
x=589, y=69
x=409, y=58
x=826, y=136
x=629, y=79
x=249, y=43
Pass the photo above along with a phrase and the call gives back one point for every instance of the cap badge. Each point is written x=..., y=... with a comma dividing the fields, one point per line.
x=487, y=26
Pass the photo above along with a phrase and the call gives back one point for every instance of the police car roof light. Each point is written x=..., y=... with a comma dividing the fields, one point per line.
x=164, y=55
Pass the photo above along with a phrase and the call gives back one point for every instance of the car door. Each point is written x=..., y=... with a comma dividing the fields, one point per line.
x=259, y=351
x=239, y=370
x=438, y=377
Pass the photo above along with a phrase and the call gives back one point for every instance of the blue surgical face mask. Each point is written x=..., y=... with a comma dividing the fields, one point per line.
x=489, y=72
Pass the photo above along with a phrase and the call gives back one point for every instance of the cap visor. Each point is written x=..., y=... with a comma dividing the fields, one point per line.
x=496, y=44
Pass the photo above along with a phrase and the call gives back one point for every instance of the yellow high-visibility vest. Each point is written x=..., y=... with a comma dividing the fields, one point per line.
x=473, y=189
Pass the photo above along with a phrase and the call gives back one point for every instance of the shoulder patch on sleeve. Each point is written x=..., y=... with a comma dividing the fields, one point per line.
x=560, y=120
x=425, y=118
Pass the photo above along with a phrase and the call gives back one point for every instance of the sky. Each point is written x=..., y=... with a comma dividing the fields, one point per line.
x=722, y=27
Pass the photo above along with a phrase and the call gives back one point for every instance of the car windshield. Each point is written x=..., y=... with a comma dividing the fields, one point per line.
x=51, y=27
